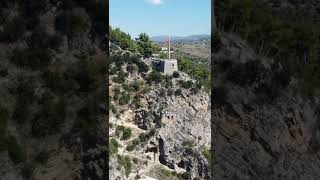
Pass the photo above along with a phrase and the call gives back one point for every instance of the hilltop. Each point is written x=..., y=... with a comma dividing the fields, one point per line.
x=159, y=124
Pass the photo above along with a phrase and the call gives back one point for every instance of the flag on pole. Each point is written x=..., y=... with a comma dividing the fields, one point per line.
x=168, y=39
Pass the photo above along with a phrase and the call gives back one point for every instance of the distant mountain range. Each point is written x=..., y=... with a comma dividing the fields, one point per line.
x=199, y=37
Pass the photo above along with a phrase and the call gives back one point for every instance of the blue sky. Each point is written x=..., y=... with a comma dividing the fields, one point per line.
x=161, y=17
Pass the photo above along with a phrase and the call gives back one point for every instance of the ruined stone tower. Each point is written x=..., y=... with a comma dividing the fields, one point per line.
x=168, y=66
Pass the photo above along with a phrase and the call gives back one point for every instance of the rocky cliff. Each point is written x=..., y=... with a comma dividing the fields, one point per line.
x=169, y=125
x=262, y=130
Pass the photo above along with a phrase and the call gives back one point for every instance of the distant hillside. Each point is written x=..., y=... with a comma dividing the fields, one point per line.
x=200, y=37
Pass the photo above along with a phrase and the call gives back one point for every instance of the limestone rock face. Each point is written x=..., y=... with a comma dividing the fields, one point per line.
x=260, y=137
x=143, y=119
x=170, y=132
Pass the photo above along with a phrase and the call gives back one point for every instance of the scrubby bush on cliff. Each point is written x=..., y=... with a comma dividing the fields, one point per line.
x=125, y=162
x=124, y=98
x=200, y=72
x=50, y=118
x=155, y=76
x=289, y=38
x=125, y=133
x=114, y=145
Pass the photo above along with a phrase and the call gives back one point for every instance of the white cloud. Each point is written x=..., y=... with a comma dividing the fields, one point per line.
x=155, y=2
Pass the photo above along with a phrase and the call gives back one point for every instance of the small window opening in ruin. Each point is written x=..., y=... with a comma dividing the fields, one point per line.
x=171, y=117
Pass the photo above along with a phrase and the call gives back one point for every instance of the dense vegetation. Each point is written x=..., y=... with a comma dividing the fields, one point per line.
x=43, y=85
x=291, y=39
x=200, y=72
x=143, y=44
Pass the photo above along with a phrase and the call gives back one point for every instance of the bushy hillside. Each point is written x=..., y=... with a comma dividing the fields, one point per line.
x=53, y=89
x=158, y=124
x=288, y=36
x=265, y=95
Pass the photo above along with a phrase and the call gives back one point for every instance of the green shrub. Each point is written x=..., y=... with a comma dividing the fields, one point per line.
x=176, y=74
x=122, y=39
x=178, y=92
x=163, y=55
x=135, y=160
x=131, y=68
x=124, y=98
x=116, y=93
x=142, y=67
x=136, y=102
x=155, y=76
x=113, y=109
x=120, y=78
x=133, y=86
x=167, y=81
x=146, y=47
x=200, y=72
x=142, y=137
x=133, y=144
x=185, y=175
x=187, y=84
x=146, y=90
x=206, y=153
x=50, y=118
x=188, y=143
x=114, y=145
x=137, y=85
x=113, y=70
x=126, y=132
x=166, y=172
x=126, y=163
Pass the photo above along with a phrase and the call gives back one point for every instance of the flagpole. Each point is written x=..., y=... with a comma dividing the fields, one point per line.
x=169, y=48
